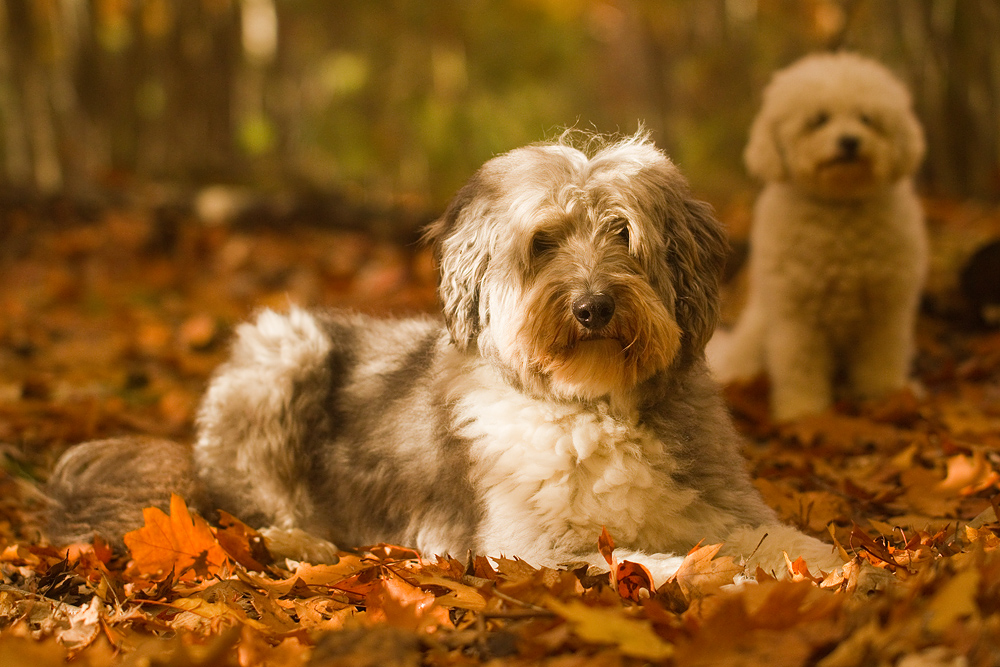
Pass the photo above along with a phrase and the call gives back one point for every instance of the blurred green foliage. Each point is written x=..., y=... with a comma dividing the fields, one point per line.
x=404, y=99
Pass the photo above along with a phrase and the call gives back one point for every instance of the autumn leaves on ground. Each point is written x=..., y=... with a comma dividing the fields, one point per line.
x=112, y=323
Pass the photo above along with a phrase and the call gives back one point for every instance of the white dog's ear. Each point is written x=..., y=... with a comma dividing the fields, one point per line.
x=698, y=251
x=462, y=257
x=909, y=145
x=762, y=154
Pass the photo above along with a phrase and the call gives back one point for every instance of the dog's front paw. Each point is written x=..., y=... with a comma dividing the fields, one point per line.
x=771, y=547
x=297, y=544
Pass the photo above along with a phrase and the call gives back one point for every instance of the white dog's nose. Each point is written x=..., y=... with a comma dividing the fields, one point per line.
x=849, y=145
x=594, y=311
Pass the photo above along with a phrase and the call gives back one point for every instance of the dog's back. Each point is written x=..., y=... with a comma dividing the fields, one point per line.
x=335, y=423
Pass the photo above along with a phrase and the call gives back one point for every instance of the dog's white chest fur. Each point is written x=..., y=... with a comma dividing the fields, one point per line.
x=552, y=474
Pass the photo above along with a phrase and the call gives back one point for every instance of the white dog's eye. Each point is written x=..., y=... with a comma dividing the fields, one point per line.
x=817, y=121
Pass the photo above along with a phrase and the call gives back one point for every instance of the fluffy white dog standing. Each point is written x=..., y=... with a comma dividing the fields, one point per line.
x=838, y=247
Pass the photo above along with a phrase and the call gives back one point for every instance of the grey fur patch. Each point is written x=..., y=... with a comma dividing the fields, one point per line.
x=102, y=486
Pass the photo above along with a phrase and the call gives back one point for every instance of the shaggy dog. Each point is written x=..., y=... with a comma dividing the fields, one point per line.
x=566, y=390
x=837, y=249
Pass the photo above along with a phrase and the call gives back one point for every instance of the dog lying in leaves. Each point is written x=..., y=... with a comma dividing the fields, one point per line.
x=565, y=391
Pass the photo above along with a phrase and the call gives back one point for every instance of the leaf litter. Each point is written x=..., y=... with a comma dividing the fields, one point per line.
x=112, y=327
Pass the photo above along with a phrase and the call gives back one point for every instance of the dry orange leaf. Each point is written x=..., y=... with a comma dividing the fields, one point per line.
x=631, y=579
x=243, y=543
x=403, y=605
x=177, y=543
x=627, y=577
x=968, y=475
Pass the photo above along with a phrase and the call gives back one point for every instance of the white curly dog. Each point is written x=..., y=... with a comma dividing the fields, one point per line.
x=838, y=246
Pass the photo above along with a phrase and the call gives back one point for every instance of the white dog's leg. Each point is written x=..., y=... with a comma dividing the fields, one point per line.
x=297, y=544
x=739, y=355
x=800, y=364
x=766, y=547
x=661, y=566
x=880, y=362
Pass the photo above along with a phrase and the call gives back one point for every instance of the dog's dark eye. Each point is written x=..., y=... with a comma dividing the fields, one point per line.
x=818, y=121
x=541, y=243
x=866, y=119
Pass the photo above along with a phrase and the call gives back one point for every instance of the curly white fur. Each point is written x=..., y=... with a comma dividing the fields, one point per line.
x=838, y=245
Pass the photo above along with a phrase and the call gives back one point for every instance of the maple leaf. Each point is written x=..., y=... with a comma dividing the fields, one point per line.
x=403, y=605
x=177, y=543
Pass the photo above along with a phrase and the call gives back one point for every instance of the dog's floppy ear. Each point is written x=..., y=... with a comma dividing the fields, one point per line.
x=462, y=256
x=909, y=145
x=762, y=154
x=698, y=252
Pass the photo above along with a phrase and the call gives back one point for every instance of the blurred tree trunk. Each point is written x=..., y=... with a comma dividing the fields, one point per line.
x=953, y=56
x=167, y=89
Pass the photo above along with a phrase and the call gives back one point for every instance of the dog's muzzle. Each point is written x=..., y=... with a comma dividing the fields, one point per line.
x=594, y=311
x=848, y=148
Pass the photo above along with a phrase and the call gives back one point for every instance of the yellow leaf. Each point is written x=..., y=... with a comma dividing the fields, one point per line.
x=609, y=625
x=968, y=475
x=459, y=595
x=957, y=598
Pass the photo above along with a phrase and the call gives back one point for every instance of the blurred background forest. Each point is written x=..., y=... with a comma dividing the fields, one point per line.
x=394, y=103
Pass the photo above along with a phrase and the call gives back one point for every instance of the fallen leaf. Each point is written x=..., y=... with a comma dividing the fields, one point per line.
x=633, y=581
x=702, y=573
x=177, y=543
x=955, y=600
x=84, y=626
x=608, y=625
x=458, y=595
x=968, y=475
x=243, y=543
x=405, y=606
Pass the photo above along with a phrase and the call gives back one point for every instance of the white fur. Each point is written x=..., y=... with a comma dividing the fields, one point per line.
x=268, y=358
x=838, y=246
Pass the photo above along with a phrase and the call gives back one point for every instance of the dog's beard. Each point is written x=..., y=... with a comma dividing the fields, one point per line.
x=551, y=350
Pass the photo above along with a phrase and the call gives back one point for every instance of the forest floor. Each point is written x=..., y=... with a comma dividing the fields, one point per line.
x=112, y=324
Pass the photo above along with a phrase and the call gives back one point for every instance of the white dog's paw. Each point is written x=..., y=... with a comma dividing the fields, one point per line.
x=297, y=544
x=788, y=405
x=771, y=548
x=661, y=566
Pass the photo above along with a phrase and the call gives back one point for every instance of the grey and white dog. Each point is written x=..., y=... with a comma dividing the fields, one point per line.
x=566, y=389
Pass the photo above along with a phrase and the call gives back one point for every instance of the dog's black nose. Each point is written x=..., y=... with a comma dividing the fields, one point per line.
x=849, y=145
x=594, y=310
